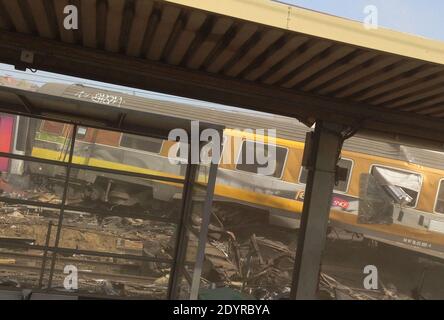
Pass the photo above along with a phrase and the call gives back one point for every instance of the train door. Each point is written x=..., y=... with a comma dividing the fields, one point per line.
x=6, y=139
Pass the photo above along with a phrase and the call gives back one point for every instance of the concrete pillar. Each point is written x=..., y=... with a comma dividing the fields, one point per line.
x=321, y=155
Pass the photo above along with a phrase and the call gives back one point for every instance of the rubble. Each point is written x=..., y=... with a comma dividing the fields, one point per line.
x=339, y=291
x=124, y=234
x=259, y=261
x=163, y=281
x=243, y=251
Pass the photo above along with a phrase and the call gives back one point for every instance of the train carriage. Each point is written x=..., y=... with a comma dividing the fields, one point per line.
x=389, y=193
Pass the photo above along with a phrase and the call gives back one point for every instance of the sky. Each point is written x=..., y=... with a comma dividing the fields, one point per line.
x=420, y=17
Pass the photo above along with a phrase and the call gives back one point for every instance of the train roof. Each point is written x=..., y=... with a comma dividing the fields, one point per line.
x=108, y=115
x=286, y=128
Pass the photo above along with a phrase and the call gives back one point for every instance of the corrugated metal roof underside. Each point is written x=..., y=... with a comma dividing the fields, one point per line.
x=229, y=47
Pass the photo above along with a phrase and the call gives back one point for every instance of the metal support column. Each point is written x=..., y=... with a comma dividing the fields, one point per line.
x=206, y=216
x=63, y=204
x=181, y=243
x=178, y=270
x=322, y=154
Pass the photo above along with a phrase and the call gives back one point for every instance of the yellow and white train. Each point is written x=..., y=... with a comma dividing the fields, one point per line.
x=392, y=193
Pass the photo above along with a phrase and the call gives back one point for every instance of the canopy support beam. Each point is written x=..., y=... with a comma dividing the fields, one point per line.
x=149, y=75
x=322, y=152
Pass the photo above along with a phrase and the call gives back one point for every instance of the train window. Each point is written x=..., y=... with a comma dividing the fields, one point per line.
x=439, y=206
x=206, y=151
x=259, y=148
x=81, y=132
x=342, y=186
x=36, y=138
x=52, y=127
x=402, y=186
x=141, y=143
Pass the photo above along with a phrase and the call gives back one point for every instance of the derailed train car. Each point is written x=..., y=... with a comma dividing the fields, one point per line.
x=389, y=193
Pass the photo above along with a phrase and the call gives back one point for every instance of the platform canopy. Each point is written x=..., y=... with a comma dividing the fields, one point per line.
x=260, y=55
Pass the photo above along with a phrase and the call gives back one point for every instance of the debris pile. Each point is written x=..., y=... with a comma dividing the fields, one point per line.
x=248, y=254
x=338, y=291
x=243, y=252
x=240, y=253
x=23, y=228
